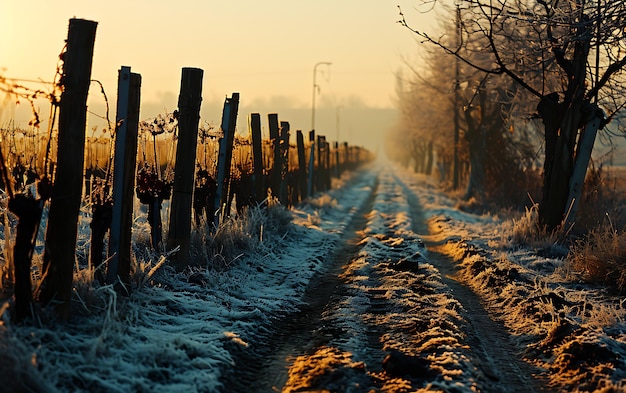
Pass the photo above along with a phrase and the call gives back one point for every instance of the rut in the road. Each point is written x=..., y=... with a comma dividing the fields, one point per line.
x=494, y=353
x=305, y=333
x=264, y=367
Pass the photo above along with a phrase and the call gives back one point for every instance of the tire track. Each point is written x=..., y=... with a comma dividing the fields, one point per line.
x=495, y=355
x=263, y=366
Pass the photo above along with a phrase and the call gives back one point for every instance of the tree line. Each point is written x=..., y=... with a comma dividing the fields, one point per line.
x=510, y=98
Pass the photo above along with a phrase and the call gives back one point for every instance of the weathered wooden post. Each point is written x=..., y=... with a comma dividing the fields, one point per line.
x=189, y=101
x=320, y=162
x=257, y=156
x=321, y=170
x=337, y=170
x=61, y=232
x=328, y=169
x=229, y=122
x=284, y=161
x=272, y=119
x=326, y=160
x=311, y=164
x=124, y=164
x=302, y=181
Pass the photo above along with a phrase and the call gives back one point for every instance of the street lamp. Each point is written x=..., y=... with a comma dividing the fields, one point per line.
x=312, y=155
x=315, y=87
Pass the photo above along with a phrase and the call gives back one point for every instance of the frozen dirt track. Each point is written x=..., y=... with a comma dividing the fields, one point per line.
x=494, y=355
x=386, y=313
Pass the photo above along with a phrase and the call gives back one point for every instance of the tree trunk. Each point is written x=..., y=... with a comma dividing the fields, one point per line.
x=476, y=137
x=562, y=122
x=583, y=154
x=430, y=159
x=476, y=180
x=556, y=184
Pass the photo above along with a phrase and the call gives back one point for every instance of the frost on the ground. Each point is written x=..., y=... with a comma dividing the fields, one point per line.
x=177, y=330
x=576, y=332
x=425, y=329
x=173, y=332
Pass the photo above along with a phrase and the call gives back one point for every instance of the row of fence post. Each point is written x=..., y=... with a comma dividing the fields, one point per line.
x=116, y=214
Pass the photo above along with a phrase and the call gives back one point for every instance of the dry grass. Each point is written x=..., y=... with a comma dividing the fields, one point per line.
x=239, y=234
x=600, y=257
x=600, y=254
x=6, y=267
x=604, y=195
x=526, y=230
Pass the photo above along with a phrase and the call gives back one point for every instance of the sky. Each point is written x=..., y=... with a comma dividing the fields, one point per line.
x=264, y=50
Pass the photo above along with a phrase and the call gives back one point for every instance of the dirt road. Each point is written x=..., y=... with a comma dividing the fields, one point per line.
x=387, y=314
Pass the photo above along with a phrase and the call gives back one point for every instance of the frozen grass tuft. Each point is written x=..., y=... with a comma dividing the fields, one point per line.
x=528, y=231
x=600, y=258
x=239, y=234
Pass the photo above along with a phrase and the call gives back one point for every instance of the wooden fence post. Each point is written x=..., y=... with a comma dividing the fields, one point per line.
x=124, y=165
x=272, y=119
x=321, y=169
x=189, y=101
x=229, y=122
x=302, y=181
x=257, y=155
x=61, y=232
x=311, y=164
x=328, y=167
x=320, y=165
x=302, y=178
x=337, y=169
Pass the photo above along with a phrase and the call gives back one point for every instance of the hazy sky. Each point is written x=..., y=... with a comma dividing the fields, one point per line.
x=265, y=50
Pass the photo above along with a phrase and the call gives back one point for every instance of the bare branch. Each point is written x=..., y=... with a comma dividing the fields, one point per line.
x=610, y=71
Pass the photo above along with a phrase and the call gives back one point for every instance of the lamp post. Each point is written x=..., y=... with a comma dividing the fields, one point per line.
x=315, y=87
x=312, y=155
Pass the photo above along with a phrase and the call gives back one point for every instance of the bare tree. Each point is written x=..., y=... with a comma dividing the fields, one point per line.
x=418, y=132
x=570, y=56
